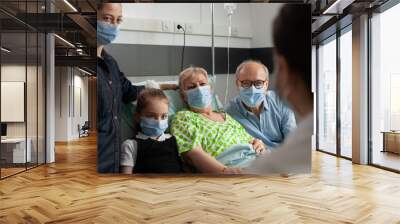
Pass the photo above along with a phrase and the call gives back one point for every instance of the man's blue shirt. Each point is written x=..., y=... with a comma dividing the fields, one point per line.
x=275, y=122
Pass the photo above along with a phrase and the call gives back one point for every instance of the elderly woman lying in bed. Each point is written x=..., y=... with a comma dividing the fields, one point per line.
x=203, y=135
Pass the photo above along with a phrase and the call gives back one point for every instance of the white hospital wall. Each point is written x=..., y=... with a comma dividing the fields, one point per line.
x=262, y=17
x=251, y=19
x=251, y=23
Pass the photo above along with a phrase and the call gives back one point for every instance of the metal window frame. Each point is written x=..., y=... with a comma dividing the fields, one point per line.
x=336, y=35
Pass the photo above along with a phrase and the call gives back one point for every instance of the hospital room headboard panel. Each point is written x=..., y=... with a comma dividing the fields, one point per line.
x=157, y=60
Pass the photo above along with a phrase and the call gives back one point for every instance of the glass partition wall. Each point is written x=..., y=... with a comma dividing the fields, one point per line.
x=22, y=78
x=334, y=94
x=385, y=89
x=327, y=95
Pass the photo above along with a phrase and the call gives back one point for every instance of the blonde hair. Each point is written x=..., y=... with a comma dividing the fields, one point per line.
x=189, y=73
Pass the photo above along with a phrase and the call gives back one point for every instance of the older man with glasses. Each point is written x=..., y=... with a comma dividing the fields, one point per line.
x=261, y=112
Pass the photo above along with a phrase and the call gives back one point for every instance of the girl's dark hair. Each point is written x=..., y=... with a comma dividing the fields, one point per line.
x=292, y=38
x=143, y=101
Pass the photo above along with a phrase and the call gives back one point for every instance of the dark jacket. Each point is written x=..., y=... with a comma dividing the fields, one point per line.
x=113, y=89
x=157, y=157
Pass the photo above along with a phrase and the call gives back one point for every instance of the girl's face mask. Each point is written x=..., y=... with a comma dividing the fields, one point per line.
x=152, y=127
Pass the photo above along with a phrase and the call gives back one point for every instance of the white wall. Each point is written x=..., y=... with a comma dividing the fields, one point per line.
x=61, y=103
x=262, y=17
x=33, y=126
x=80, y=83
x=50, y=95
x=68, y=82
x=144, y=22
x=17, y=73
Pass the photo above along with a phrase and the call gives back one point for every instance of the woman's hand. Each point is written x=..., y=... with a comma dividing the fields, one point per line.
x=258, y=146
x=231, y=170
x=204, y=162
x=167, y=86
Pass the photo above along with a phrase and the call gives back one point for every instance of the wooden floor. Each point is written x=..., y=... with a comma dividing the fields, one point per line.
x=386, y=159
x=70, y=191
x=10, y=171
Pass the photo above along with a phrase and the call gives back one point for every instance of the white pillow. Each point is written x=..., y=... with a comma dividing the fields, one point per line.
x=153, y=83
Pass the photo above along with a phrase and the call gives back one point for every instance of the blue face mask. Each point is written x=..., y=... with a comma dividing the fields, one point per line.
x=153, y=127
x=252, y=96
x=200, y=97
x=106, y=33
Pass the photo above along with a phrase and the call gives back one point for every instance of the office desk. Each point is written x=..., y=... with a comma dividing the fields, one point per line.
x=13, y=150
x=391, y=141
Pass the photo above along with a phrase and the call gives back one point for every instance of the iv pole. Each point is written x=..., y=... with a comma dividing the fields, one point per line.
x=212, y=40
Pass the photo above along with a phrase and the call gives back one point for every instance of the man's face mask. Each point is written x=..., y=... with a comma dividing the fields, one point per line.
x=199, y=97
x=252, y=96
x=106, y=33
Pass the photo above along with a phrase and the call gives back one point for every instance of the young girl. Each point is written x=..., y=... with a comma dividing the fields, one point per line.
x=151, y=150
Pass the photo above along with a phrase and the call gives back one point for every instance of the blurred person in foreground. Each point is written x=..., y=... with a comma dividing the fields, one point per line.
x=292, y=56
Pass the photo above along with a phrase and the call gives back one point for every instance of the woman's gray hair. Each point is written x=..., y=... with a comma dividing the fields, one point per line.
x=241, y=66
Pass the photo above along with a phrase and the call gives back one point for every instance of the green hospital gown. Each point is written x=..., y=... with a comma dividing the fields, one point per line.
x=193, y=129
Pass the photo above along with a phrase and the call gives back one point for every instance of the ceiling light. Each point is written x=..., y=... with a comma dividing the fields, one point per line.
x=5, y=50
x=65, y=41
x=79, y=51
x=70, y=5
x=329, y=9
x=338, y=6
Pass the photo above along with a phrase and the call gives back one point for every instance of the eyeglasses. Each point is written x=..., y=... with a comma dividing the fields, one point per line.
x=247, y=83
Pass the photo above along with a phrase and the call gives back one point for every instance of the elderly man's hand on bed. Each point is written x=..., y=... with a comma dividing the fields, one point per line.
x=258, y=146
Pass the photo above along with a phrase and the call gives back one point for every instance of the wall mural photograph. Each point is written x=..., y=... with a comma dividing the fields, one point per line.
x=194, y=88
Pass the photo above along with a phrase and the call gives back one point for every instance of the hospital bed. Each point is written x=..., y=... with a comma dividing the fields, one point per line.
x=237, y=155
x=175, y=104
